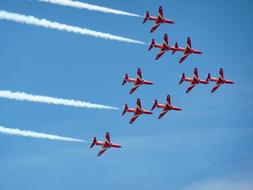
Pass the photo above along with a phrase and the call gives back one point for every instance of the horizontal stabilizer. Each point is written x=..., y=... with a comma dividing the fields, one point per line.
x=155, y=104
x=125, y=109
x=146, y=17
x=152, y=44
x=125, y=79
x=182, y=79
x=176, y=46
x=94, y=141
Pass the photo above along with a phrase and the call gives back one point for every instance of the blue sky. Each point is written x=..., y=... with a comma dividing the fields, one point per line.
x=206, y=146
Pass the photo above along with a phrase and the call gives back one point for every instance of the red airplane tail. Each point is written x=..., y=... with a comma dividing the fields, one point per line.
x=152, y=44
x=125, y=79
x=146, y=17
x=94, y=141
x=182, y=79
x=176, y=46
x=155, y=104
x=125, y=109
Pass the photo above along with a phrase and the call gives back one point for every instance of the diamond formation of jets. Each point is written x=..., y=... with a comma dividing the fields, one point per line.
x=138, y=81
x=166, y=47
x=160, y=19
x=105, y=145
x=137, y=111
x=219, y=81
x=193, y=81
x=166, y=107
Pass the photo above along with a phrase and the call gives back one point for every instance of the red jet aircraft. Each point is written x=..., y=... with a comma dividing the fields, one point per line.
x=138, y=81
x=166, y=107
x=137, y=111
x=105, y=145
x=194, y=80
x=188, y=50
x=163, y=47
x=166, y=47
x=219, y=81
x=158, y=20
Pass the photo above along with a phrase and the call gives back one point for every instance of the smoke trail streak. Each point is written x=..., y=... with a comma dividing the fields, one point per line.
x=31, y=134
x=24, y=19
x=90, y=7
x=22, y=96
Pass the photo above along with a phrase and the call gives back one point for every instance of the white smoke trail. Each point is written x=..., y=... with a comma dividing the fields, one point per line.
x=4, y=15
x=18, y=132
x=22, y=96
x=90, y=7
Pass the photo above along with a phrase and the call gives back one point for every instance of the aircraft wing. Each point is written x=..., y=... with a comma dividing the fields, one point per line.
x=166, y=39
x=196, y=72
x=168, y=100
x=221, y=73
x=138, y=104
x=162, y=114
x=184, y=57
x=134, y=88
x=160, y=11
x=154, y=27
x=139, y=73
x=107, y=136
x=215, y=88
x=159, y=55
x=189, y=42
x=190, y=88
x=134, y=118
x=102, y=151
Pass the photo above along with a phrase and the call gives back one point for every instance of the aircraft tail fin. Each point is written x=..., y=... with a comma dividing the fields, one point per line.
x=152, y=44
x=94, y=141
x=155, y=104
x=146, y=17
x=176, y=46
x=182, y=79
x=125, y=109
x=125, y=79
